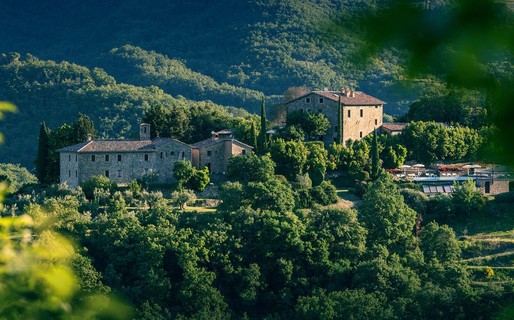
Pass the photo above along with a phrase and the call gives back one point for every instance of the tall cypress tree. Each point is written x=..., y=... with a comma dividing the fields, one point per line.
x=340, y=122
x=83, y=128
x=253, y=136
x=41, y=161
x=262, y=142
x=375, y=157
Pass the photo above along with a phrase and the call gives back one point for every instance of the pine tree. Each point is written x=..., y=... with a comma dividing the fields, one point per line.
x=41, y=161
x=340, y=122
x=262, y=143
x=375, y=157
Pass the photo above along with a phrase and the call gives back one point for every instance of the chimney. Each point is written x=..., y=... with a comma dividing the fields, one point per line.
x=89, y=137
x=144, y=131
x=343, y=91
x=348, y=93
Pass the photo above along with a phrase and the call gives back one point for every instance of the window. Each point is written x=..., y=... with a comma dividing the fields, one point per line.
x=319, y=110
x=209, y=153
x=69, y=157
x=487, y=187
x=309, y=110
x=69, y=173
x=146, y=157
x=362, y=113
x=320, y=100
x=93, y=158
x=243, y=151
x=76, y=158
x=376, y=122
x=360, y=134
x=209, y=166
x=106, y=157
x=172, y=153
x=307, y=100
x=162, y=155
x=349, y=113
x=107, y=173
x=183, y=155
x=119, y=157
x=119, y=173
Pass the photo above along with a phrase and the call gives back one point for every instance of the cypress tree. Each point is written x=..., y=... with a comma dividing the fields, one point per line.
x=340, y=122
x=262, y=143
x=83, y=128
x=41, y=161
x=253, y=136
x=375, y=157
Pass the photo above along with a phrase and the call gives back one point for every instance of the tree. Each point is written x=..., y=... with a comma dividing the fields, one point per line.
x=84, y=128
x=317, y=161
x=253, y=136
x=183, y=170
x=389, y=220
x=466, y=200
x=262, y=141
x=250, y=168
x=97, y=182
x=271, y=195
x=290, y=157
x=41, y=161
x=314, y=125
x=375, y=157
x=339, y=122
x=199, y=180
x=183, y=197
x=439, y=242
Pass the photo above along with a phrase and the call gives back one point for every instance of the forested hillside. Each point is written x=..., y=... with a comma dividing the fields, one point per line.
x=57, y=92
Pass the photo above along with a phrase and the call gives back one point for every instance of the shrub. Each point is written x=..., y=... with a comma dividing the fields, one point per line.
x=97, y=182
x=417, y=200
x=507, y=197
x=324, y=194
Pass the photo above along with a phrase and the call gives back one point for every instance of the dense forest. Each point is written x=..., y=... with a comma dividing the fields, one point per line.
x=199, y=51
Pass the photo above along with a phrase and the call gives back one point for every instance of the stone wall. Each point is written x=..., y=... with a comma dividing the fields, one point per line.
x=495, y=186
x=355, y=126
x=69, y=166
x=123, y=167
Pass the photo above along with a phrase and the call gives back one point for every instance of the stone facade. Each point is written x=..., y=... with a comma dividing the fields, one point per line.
x=125, y=160
x=122, y=160
x=214, y=153
x=490, y=187
x=361, y=113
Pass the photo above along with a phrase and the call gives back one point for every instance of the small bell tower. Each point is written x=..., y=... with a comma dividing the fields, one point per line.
x=144, y=131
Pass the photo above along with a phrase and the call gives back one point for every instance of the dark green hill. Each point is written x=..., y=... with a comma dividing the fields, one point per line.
x=58, y=92
x=264, y=45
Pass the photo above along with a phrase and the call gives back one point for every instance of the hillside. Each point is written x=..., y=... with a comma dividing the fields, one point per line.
x=266, y=46
x=56, y=93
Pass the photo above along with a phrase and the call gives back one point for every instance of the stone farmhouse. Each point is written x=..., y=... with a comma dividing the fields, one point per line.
x=125, y=160
x=361, y=113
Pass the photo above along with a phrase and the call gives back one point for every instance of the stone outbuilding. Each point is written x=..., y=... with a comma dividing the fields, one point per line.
x=122, y=160
x=361, y=113
x=214, y=152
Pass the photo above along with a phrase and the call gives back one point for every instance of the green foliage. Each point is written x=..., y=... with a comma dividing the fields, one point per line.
x=183, y=197
x=90, y=186
x=183, y=171
x=466, y=200
x=199, y=180
x=290, y=157
x=250, y=168
x=389, y=220
x=262, y=139
x=317, y=161
x=41, y=161
x=324, y=194
x=291, y=133
x=439, y=242
x=314, y=125
x=270, y=195
x=415, y=199
x=16, y=176
x=375, y=157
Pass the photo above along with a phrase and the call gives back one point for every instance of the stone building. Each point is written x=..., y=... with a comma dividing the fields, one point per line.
x=214, y=153
x=125, y=160
x=393, y=129
x=122, y=160
x=361, y=113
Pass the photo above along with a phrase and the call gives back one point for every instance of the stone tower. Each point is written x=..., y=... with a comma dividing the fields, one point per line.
x=144, y=131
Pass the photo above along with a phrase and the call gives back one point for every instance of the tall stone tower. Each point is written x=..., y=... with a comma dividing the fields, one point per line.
x=144, y=131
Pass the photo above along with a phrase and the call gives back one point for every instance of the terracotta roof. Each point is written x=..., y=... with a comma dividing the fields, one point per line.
x=395, y=126
x=359, y=98
x=118, y=145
